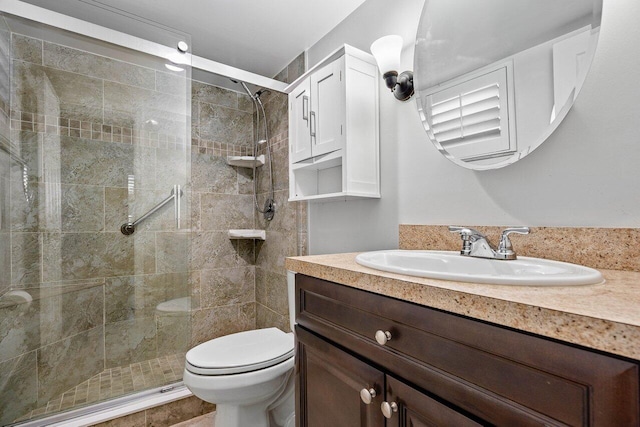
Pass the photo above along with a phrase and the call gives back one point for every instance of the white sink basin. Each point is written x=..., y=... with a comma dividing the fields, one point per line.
x=453, y=266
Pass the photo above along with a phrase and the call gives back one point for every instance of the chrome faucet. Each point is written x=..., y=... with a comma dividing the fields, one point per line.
x=475, y=244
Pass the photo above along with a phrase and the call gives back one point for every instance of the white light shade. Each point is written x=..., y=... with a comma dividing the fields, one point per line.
x=387, y=51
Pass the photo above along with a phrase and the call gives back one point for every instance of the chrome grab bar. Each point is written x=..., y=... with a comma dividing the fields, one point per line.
x=129, y=228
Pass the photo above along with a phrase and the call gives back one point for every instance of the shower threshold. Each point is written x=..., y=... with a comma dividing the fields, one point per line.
x=113, y=393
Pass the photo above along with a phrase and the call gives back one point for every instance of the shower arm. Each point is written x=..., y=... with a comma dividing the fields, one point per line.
x=129, y=228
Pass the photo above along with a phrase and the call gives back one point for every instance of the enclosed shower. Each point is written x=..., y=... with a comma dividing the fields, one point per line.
x=116, y=201
x=92, y=137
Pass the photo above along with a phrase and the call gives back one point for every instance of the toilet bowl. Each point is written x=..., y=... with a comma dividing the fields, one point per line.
x=248, y=375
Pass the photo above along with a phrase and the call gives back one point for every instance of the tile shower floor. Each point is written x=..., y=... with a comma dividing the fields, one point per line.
x=115, y=382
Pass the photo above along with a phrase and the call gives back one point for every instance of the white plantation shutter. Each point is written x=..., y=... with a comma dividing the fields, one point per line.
x=468, y=116
x=471, y=119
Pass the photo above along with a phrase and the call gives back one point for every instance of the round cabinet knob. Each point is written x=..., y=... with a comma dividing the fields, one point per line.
x=367, y=395
x=388, y=409
x=382, y=337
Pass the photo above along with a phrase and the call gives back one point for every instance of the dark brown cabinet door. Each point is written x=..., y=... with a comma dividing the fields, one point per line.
x=415, y=409
x=329, y=383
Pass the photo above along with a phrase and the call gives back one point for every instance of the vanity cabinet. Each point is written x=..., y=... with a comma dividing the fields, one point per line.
x=440, y=369
x=334, y=130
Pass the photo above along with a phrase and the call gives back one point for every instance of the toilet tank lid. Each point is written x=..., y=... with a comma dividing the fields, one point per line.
x=241, y=349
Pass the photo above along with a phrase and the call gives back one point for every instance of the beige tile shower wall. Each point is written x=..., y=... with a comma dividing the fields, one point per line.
x=286, y=233
x=81, y=123
x=605, y=248
x=223, y=270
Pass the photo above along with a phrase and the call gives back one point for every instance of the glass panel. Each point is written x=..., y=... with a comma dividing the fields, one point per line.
x=92, y=136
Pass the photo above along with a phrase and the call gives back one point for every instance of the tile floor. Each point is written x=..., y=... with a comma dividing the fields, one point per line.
x=116, y=382
x=206, y=420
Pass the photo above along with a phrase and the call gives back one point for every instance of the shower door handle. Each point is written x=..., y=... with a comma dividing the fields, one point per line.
x=312, y=126
x=305, y=111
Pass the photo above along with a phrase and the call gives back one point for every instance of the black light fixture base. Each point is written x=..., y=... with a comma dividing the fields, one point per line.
x=390, y=78
x=403, y=89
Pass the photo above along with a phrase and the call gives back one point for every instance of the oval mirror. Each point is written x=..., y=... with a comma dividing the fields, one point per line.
x=494, y=78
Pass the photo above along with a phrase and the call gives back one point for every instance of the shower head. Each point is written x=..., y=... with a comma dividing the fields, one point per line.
x=254, y=96
x=260, y=92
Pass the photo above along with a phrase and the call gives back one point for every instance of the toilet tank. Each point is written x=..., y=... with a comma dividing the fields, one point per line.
x=291, y=296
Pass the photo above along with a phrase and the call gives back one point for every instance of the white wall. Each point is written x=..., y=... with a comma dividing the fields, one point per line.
x=586, y=174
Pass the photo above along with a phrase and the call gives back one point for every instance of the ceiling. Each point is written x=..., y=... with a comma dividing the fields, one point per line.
x=261, y=36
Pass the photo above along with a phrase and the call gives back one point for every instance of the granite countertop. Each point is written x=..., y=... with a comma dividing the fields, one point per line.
x=605, y=317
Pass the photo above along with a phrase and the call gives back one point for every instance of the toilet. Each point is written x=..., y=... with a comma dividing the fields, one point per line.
x=248, y=375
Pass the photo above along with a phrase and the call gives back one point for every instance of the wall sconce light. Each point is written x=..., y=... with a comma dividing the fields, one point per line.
x=387, y=51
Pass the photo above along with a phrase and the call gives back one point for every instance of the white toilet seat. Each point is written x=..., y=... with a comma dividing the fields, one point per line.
x=241, y=352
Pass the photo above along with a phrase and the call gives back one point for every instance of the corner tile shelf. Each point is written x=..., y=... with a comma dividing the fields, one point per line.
x=248, y=234
x=246, y=161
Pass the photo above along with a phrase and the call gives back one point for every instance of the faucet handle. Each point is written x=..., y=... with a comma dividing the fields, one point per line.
x=518, y=230
x=468, y=235
x=457, y=229
x=465, y=232
x=505, y=249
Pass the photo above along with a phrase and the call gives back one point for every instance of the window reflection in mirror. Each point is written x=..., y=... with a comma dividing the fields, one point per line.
x=495, y=78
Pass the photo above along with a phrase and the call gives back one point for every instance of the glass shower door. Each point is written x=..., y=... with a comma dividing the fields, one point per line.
x=92, y=137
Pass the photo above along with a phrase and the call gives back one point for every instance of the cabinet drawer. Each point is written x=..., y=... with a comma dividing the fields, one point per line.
x=495, y=373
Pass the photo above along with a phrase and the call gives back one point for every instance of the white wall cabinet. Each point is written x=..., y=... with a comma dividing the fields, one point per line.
x=334, y=129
